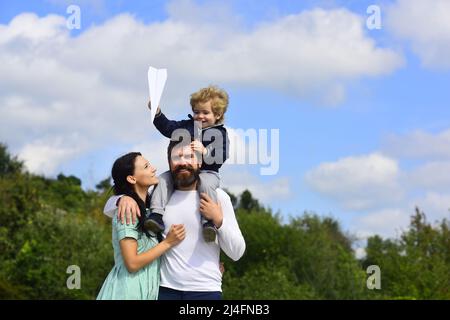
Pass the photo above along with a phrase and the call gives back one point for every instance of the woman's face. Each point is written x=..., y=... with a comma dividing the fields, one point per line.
x=144, y=172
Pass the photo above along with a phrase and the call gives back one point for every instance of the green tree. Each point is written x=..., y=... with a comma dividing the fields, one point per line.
x=45, y=226
x=417, y=265
x=308, y=258
x=8, y=164
x=48, y=224
x=247, y=202
x=104, y=185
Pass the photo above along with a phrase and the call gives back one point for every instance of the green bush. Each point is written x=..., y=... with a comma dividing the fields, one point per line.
x=47, y=225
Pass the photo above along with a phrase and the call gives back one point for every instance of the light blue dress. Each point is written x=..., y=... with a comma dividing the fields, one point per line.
x=123, y=285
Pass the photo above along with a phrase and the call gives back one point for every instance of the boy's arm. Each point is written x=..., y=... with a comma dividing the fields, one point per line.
x=166, y=126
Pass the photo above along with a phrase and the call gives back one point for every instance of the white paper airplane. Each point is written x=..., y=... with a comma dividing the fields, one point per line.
x=156, y=81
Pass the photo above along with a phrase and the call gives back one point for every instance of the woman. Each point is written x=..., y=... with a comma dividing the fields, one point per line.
x=135, y=274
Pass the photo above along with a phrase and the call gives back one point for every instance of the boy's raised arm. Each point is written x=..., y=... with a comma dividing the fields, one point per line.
x=166, y=126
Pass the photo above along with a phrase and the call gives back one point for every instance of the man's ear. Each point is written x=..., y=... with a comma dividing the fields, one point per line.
x=131, y=179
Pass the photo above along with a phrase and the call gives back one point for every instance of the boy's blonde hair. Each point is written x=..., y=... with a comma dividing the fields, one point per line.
x=218, y=97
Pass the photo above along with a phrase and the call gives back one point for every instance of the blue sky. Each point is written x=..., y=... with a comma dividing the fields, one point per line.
x=363, y=114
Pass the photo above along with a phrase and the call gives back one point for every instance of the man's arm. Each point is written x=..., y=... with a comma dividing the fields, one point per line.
x=230, y=236
x=111, y=206
x=127, y=208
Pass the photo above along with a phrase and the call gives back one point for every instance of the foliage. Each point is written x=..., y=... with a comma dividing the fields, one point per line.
x=417, y=265
x=47, y=225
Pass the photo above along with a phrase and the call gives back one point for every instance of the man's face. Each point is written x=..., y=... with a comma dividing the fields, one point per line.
x=184, y=166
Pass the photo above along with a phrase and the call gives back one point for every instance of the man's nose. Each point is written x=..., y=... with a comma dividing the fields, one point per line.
x=182, y=161
x=177, y=160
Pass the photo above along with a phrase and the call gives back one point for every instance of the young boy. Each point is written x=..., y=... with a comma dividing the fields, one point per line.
x=208, y=106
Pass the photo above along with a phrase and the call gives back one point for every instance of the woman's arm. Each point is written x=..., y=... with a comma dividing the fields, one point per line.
x=134, y=261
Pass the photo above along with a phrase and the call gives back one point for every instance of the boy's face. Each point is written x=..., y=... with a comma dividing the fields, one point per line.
x=203, y=112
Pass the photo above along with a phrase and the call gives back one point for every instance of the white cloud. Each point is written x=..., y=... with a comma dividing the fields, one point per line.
x=237, y=180
x=155, y=151
x=244, y=151
x=381, y=194
x=388, y=222
x=426, y=26
x=430, y=151
x=27, y=29
x=391, y=222
x=435, y=205
x=358, y=183
x=243, y=146
x=94, y=85
x=431, y=176
x=419, y=145
x=43, y=157
x=384, y=195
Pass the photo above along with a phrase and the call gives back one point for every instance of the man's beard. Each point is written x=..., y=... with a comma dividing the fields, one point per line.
x=184, y=180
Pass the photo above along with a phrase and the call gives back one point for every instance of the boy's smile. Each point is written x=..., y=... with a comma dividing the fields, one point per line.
x=203, y=112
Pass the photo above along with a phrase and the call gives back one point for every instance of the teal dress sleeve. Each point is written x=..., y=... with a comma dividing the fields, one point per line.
x=125, y=230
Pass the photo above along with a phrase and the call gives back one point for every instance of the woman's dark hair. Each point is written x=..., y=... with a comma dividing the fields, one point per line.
x=122, y=168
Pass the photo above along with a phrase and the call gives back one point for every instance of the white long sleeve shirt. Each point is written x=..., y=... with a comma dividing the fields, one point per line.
x=193, y=265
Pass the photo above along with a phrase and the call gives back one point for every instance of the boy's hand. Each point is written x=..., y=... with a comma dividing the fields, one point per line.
x=158, y=111
x=197, y=146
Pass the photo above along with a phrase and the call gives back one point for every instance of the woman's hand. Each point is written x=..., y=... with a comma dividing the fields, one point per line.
x=211, y=210
x=128, y=207
x=176, y=234
x=134, y=261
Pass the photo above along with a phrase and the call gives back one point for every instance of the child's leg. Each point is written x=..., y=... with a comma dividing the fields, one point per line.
x=158, y=201
x=161, y=193
x=209, y=182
